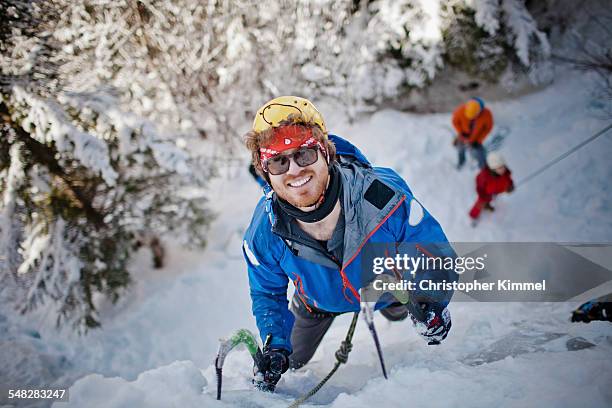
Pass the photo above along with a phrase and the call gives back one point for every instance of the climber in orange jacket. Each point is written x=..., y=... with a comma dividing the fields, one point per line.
x=473, y=123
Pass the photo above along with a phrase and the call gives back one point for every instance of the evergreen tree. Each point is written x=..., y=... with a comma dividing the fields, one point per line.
x=81, y=180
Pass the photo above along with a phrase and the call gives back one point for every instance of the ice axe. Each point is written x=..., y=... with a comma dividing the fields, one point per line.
x=369, y=297
x=241, y=336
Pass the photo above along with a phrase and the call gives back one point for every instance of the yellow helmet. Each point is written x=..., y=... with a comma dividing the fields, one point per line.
x=279, y=109
x=473, y=108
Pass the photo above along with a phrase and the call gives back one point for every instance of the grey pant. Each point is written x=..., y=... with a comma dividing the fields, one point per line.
x=308, y=331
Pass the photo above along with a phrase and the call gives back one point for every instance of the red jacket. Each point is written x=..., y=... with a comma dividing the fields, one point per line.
x=475, y=130
x=489, y=183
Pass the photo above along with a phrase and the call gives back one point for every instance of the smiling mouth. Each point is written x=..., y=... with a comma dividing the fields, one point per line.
x=300, y=182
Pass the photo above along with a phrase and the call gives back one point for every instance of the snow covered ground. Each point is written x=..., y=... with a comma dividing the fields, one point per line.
x=157, y=345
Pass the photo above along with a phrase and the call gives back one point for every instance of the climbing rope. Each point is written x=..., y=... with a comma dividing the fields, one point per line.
x=563, y=156
x=341, y=358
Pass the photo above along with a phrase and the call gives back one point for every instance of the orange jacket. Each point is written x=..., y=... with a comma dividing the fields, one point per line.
x=472, y=130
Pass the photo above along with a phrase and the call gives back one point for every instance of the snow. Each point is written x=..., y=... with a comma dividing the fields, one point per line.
x=14, y=179
x=430, y=30
x=157, y=345
x=50, y=125
x=150, y=389
x=523, y=28
x=486, y=14
x=312, y=72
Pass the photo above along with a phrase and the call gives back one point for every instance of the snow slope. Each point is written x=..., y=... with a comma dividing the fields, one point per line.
x=156, y=347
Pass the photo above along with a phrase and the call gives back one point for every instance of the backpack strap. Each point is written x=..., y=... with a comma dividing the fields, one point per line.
x=344, y=148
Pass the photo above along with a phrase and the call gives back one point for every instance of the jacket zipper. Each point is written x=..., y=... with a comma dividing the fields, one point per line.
x=345, y=282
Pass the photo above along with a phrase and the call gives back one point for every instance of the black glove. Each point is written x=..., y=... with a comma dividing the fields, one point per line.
x=436, y=325
x=590, y=311
x=475, y=144
x=274, y=363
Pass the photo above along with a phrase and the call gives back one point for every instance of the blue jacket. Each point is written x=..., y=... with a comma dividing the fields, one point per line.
x=380, y=214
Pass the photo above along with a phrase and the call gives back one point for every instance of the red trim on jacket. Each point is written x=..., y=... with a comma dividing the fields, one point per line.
x=299, y=287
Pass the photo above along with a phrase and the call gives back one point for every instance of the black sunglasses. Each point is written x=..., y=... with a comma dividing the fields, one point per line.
x=279, y=164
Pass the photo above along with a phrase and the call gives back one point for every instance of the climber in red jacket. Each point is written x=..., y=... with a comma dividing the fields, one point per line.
x=495, y=178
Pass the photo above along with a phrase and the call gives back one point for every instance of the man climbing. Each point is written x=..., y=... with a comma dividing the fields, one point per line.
x=494, y=179
x=473, y=123
x=324, y=202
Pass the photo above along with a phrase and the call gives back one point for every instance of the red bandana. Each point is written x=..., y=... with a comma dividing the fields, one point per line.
x=288, y=137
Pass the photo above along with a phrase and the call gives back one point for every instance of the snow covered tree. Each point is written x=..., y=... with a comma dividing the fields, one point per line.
x=185, y=65
x=484, y=37
x=409, y=31
x=367, y=51
x=81, y=180
x=471, y=41
x=82, y=183
x=522, y=32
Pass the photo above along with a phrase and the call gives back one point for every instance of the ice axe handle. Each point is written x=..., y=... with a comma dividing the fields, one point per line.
x=219, y=372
